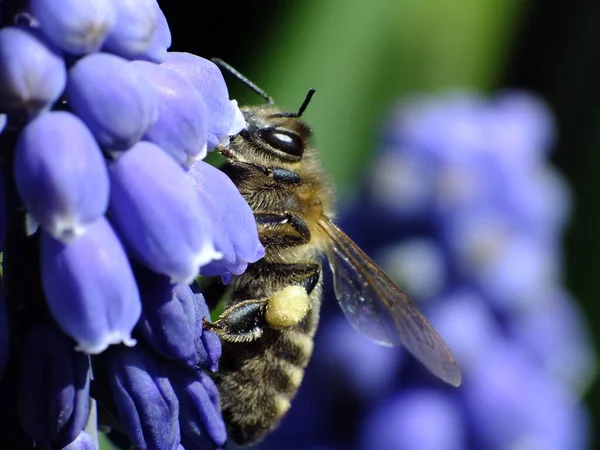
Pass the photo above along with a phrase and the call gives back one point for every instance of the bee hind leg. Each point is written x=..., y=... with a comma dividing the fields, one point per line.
x=287, y=307
x=244, y=321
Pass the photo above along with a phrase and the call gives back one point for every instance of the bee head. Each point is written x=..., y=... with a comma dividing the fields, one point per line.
x=280, y=134
x=269, y=130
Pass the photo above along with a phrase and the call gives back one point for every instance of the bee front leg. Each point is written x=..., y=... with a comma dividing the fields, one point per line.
x=244, y=321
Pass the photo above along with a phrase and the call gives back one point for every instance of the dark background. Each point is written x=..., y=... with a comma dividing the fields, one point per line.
x=362, y=56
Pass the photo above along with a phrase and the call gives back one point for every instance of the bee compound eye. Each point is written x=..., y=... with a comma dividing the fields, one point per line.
x=283, y=140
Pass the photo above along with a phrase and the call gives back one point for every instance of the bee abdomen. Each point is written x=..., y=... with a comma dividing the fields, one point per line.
x=258, y=393
x=259, y=379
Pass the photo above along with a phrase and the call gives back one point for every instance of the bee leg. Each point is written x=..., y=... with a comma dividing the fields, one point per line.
x=281, y=229
x=244, y=321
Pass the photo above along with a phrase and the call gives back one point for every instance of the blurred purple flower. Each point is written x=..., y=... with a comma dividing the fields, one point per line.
x=417, y=265
x=467, y=323
x=522, y=129
x=417, y=419
x=513, y=403
x=522, y=277
x=403, y=185
x=558, y=338
x=464, y=211
x=337, y=348
x=496, y=211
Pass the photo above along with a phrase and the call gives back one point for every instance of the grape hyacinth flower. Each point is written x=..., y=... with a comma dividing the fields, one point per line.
x=107, y=214
x=464, y=212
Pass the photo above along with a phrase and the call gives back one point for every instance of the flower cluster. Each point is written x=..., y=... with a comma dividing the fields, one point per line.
x=463, y=211
x=102, y=136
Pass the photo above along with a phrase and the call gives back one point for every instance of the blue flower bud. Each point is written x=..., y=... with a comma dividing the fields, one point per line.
x=90, y=288
x=170, y=317
x=54, y=387
x=32, y=73
x=225, y=117
x=61, y=175
x=157, y=52
x=113, y=99
x=147, y=405
x=135, y=27
x=155, y=208
x=166, y=322
x=83, y=442
x=235, y=232
x=209, y=341
x=75, y=26
x=200, y=419
x=2, y=122
x=181, y=127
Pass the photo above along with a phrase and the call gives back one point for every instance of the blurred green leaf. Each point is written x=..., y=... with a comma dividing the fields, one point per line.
x=361, y=56
x=105, y=444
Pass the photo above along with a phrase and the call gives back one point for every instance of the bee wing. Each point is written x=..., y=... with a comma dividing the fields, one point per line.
x=376, y=307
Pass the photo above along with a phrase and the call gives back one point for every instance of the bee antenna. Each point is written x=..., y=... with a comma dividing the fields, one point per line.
x=307, y=99
x=223, y=65
x=302, y=108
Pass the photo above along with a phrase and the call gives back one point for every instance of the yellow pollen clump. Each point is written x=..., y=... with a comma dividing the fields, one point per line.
x=287, y=307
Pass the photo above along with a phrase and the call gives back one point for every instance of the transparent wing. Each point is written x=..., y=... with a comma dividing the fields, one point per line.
x=376, y=307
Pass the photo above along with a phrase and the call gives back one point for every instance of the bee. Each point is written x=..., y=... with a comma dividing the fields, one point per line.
x=272, y=314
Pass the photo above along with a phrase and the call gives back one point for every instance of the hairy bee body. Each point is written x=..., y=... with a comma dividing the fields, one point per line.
x=268, y=326
x=288, y=193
